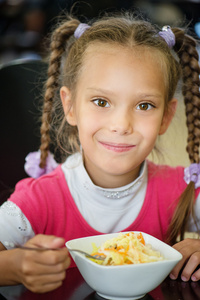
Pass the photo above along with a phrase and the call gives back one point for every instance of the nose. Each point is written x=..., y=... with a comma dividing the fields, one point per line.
x=121, y=122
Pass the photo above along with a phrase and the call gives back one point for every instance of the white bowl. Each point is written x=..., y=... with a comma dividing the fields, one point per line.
x=125, y=282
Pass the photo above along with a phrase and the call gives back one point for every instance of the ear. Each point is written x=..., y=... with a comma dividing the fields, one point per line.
x=68, y=107
x=168, y=116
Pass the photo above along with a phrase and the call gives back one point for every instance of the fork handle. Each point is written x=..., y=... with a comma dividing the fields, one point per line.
x=36, y=249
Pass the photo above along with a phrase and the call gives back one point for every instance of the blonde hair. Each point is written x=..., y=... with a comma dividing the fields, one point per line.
x=65, y=64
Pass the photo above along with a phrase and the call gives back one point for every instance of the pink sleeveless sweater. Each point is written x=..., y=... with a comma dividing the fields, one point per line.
x=48, y=205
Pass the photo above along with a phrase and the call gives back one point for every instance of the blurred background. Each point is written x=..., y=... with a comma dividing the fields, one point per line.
x=24, y=24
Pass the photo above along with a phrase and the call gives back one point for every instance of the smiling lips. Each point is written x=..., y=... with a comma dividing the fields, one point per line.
x=117, y=147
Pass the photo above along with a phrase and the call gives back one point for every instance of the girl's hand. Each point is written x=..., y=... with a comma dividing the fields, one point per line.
x=190, y=249
x=42, y=271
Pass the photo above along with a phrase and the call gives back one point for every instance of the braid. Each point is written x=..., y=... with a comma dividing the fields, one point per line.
x=58, y=47
x=188, y=56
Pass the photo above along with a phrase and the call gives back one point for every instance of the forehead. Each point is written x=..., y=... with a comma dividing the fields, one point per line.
x=99, y=53
x=135, y=52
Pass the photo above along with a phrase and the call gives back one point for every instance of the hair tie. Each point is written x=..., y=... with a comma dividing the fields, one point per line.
x=168, y=35
x=82, y=27
x=32, y=164
x=192, y=173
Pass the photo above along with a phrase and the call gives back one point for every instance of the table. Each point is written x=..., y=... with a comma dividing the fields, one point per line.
x=75, y=288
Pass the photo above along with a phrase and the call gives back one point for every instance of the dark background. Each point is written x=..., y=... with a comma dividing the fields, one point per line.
x=24, y=24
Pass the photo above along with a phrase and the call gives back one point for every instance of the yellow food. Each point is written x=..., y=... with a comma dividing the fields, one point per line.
x=126, y=248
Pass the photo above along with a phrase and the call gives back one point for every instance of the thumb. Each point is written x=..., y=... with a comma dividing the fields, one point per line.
x=46, y=241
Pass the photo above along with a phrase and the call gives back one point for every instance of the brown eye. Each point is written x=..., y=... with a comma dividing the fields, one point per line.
x=101, y=103
x=145, y=106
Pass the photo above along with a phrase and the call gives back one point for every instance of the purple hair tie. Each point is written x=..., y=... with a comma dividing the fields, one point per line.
x=168, y=35
x=32, y=163
x=192, y=173
x=82, y=27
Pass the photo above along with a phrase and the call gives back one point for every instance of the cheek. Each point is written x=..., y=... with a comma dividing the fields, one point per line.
x=149, y=128
x=89, y=121
x=87, y=127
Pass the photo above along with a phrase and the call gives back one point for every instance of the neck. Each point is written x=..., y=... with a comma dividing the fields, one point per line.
x=109, y=180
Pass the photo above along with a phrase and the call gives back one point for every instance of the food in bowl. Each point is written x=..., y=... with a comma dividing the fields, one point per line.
x=123, y=282
x=126, y=248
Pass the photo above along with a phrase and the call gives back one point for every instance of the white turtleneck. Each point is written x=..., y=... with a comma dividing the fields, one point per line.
x=106, y=210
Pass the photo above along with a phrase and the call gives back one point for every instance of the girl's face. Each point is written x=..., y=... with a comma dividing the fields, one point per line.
x=119, y=109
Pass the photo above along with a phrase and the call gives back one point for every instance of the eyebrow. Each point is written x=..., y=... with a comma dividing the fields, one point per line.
x=99, y=90
x=143, y=95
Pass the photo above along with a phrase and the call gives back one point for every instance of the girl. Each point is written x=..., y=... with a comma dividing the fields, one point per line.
x=116, y=80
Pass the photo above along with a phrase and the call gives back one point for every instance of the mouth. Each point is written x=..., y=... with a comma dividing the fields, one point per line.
x=117, y=147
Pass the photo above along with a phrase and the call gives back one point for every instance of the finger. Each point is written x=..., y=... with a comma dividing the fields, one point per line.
x=46, y=241
x=176, y=270
x=48, y=287
x=44, y=283
x=190, y=267
x=48, y=257
x=35, y=261
x=53, y=257
x=186, y=248
x=38, y=269
x=196, y=275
